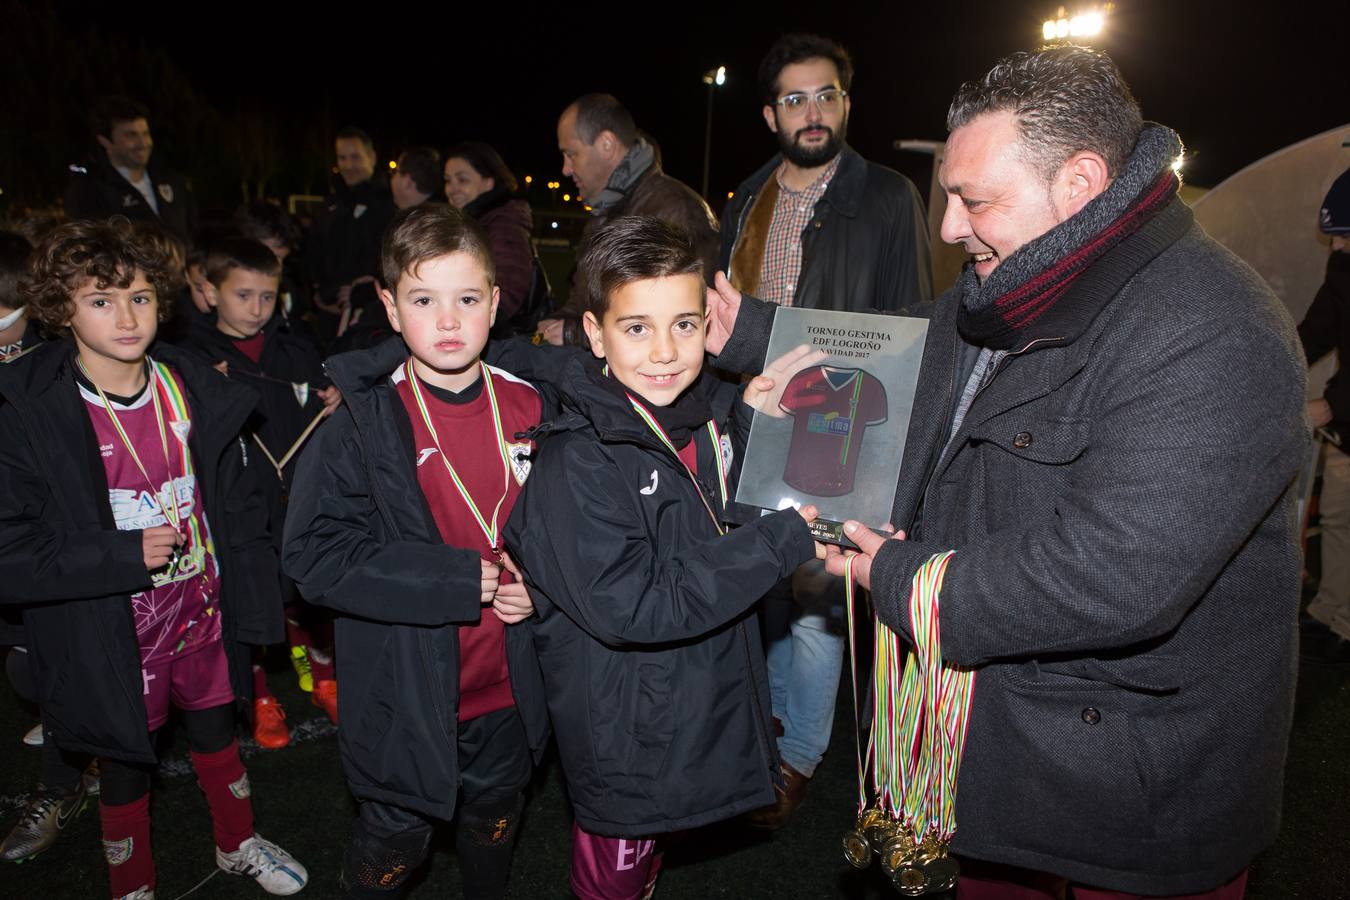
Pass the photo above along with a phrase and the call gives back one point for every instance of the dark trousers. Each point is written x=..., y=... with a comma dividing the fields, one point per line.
x=992, y=881
x=391, y=842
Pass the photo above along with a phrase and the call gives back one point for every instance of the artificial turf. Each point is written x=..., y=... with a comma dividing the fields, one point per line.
x=301, y=802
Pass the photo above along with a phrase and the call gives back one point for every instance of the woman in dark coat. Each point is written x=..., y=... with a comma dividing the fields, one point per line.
x=478, y=182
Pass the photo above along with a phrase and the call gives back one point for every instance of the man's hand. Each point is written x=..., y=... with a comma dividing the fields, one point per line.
x=331, y=397
x=512, y=603
x=157, y=545
x=1319, y=411
x=724, y=303
x=551, y=330
x=488, y=586
x=765, y=390
x=869, y=544
x=809, y=514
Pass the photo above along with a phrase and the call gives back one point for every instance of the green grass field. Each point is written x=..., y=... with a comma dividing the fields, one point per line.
x=301, y=802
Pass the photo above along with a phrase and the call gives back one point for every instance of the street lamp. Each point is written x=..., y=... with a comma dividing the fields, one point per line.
x=1080, y=26
x=714, y=79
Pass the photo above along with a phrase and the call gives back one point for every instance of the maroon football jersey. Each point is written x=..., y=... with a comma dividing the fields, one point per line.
x=468, y=437
x=832, y=408
x=179, y=614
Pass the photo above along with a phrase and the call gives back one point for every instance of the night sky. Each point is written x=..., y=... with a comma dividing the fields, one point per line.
x=1238, y=80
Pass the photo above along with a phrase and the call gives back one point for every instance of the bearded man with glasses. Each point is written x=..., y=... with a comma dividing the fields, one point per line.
x=820, y=227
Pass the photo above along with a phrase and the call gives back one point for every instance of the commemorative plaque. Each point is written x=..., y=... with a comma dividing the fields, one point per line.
x=836, y=431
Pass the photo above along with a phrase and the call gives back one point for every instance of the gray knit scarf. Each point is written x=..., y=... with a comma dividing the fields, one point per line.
x=637, y=161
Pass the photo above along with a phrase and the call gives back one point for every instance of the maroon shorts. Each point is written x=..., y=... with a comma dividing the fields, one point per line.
x=609, y=868
x=199, y=680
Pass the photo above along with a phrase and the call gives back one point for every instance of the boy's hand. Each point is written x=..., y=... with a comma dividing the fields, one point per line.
x=869, y=543
x=809, y=513
x=331, y=398
x=512, y=603
x=157, y=545
x=765, y=391
x=491, y=575
x=724, y=302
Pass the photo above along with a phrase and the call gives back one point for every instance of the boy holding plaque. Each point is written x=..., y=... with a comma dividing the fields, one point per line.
x=133, y=532
x=394, y=523
x=646, y=635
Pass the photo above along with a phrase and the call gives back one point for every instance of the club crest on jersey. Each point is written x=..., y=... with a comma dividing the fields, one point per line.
x=520, y=460
x=181, y=428
x=240, y=788
x=166, y=192
x=117, y=852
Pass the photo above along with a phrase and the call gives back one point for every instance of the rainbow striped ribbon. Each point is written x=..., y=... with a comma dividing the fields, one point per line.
x=922, y=712
x=490, y=531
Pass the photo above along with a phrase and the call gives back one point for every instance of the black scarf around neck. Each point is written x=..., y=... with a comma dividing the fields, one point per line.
x=679, y=420
x=1021, y=300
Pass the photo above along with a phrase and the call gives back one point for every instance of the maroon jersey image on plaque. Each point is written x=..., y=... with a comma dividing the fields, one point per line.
x=831, y=408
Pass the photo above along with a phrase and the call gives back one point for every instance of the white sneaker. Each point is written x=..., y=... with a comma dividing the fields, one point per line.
x=273, y=868
x=34, y=736
x=141, y=893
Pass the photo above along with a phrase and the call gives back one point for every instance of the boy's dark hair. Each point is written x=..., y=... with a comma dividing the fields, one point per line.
x=487, y=162
x=108, y=251
x=427, y=232
x=423, y=166
x=108, y=111
x=14, y=253
x=266, y=221
x=351, y=132
x=237, y=252
x=795, y=48
x=628, y=249
x=604, y=112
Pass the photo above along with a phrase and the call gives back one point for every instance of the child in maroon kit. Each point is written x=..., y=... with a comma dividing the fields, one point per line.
x=394, y=523
x=244, y=338
x=130, y=520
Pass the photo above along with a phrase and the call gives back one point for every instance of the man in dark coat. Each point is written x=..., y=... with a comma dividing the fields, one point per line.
x=122, y=181
x=343, y=253
x=618, y=172
x=1107, y=428
x=819, y=227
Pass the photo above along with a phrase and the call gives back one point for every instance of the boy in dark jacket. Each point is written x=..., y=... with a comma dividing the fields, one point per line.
x=646, y=635
x=135, y=536
x=244, y=338
x=394, y=523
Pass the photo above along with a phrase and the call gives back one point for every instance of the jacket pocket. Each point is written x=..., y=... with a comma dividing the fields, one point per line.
x=653, y=723
x=1027, y=464
x=1077, y=752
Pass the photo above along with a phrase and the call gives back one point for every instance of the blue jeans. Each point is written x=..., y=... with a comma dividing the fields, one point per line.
x=805, y=639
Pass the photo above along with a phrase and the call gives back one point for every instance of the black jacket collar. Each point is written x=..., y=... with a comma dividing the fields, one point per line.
x=845, y=191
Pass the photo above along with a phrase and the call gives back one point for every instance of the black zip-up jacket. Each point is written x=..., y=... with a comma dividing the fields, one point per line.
x=286, y=359
x=98, y=191
x=865, y=248
x=645, y=622
x=63, y=559
x=361, y=540
x=344, y=243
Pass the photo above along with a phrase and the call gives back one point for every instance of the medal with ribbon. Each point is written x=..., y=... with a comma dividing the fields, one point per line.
x=489, y=528
x=918, y=734
x=164, y=392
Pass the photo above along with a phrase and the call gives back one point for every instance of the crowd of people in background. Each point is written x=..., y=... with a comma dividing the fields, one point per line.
x=1066, y=592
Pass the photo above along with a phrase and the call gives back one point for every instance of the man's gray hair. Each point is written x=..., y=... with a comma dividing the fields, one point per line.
x=1066, y=99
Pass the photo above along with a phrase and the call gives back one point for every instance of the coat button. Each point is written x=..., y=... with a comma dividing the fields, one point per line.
x=1022, y=440
x=1091, y=716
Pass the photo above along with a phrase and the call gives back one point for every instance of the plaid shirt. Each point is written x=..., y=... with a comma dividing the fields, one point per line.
x=792, y=212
